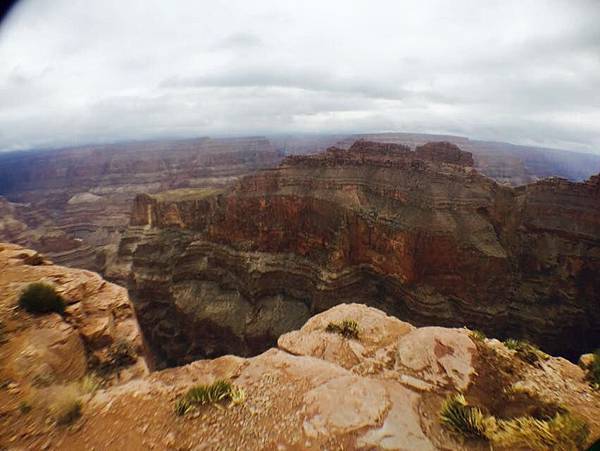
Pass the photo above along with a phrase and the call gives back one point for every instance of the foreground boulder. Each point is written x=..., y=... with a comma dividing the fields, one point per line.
x=382, y=389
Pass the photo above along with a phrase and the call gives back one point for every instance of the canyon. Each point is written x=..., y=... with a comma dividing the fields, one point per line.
x=73, y=204
x=382, y=388
x=419, y=234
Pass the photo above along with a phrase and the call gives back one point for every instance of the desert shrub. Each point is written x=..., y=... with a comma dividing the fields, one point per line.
x=218, y=391
x=41, y=298
x=24, y=407
x=477, y=335
x=593, y=374
x=526, y=351
x=347, y=328
x=561, y=432
x=66, y=405
x=462, y=418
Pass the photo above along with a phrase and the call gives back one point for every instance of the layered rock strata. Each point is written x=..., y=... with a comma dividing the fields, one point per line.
x=75, y=202
x=421, y=235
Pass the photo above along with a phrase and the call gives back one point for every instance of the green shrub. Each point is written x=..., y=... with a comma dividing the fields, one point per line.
x=594, y=371
x=41, y=298
x=461, y=418
x=526, y=351
x=347, y=328
x=218, y=391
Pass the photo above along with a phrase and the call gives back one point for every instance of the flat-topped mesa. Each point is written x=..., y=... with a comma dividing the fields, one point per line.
x=444, y=152
x=385, y=154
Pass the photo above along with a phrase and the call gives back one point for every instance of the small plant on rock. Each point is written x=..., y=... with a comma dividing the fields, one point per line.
x=24, y=407
x=593, y=374
x=218, y=391
x=526, y=351
x=562, y=431
x=41, y=298
x=462, y=418
x=477, y=335
x=347, y=328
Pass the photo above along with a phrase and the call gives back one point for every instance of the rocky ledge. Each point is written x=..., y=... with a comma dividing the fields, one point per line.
x=419, y=234
x=98, y=332
x=382, y=388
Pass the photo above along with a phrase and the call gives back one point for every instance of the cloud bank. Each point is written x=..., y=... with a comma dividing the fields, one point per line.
x=524, y=71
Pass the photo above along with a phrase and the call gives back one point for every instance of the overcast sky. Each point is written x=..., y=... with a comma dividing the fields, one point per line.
x=77, y=71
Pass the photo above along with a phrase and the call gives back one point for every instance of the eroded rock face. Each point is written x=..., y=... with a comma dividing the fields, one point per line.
x=99, y=322
x=72, y=204
x=420, y=235
x=310, y=397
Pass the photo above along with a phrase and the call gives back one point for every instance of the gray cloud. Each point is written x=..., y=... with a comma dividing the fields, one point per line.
x=520, y=71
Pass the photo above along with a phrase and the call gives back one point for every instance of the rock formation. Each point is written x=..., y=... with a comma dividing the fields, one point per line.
x=74, y=203
x=421, y=235
x=318, y=390
x=50, y=348
x=504, y=162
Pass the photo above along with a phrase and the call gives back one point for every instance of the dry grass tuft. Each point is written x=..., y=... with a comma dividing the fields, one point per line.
x=477, y=335
x=526, y=351
x=562, y=432
x=66, y=405
x=89, y=384
x=218, y=391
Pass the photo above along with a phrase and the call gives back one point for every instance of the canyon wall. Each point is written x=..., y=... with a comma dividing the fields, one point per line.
x=419, y=234
x=74, y=203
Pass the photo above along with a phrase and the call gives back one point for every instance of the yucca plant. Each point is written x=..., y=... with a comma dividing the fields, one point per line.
x=347, y=328
x=462, y=418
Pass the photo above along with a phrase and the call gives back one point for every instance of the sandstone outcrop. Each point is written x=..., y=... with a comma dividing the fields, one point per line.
x=318, y=390
x=421, y=235
x=72, y=204
x=41, y=350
